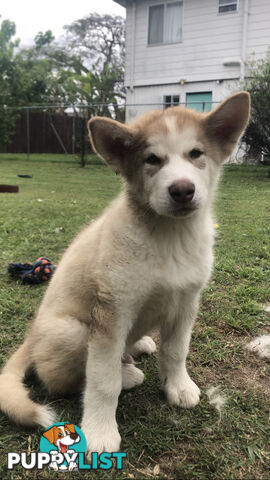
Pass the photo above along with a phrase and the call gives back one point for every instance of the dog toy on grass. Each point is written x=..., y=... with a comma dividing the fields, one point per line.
x=37, y=272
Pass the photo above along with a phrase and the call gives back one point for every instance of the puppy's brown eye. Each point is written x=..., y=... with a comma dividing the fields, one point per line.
x=153, y=160
x=60, y=435
x=195, y=153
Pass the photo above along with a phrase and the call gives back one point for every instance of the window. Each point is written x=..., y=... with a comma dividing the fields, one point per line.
x=171, y=101
x=227, y=6
x=165, y=23
x=201, y=102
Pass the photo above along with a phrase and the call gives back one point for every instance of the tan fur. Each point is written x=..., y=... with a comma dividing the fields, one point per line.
x=141, y=265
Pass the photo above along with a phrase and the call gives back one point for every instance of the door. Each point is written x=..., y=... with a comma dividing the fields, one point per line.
x=201, y=102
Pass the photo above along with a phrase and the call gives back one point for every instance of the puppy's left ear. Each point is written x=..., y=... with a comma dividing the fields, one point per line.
x=113, y=141
x=226, y=123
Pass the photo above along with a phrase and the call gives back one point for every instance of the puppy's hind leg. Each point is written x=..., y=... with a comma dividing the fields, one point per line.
x=131, y=375
x=59, y=354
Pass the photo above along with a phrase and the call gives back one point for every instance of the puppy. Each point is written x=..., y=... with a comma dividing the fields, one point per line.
x=141, y=265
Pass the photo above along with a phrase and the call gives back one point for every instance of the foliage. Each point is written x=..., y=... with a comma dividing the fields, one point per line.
x=8, y=77
x=258, y=132
x=42, y=39
x=86, y=68
x=90, y=62
x=26, y=78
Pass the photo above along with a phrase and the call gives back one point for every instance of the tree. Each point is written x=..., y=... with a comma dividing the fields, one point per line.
x=27, y=77
x=90, y=61
x=257, y=135
x=8, y=77
x=86, y=68
x=42, y=39
x=41, y=85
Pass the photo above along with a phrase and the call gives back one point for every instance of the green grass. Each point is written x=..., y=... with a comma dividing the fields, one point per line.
x=186, y=444
x=50, y=158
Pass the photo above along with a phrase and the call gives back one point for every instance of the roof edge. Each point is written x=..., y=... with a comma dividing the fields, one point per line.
x=123, y=3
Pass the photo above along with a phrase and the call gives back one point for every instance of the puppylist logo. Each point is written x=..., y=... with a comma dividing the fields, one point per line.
x=63, y=448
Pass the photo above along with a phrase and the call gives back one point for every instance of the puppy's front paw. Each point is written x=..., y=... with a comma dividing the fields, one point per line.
x=106, y=440
x=183, y=393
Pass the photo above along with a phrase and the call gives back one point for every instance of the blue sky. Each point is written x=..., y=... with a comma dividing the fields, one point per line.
x=33, y=16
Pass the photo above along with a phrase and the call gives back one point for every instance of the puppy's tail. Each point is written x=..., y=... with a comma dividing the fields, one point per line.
x=14, y=397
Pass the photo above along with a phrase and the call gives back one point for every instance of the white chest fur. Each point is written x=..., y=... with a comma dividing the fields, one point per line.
x=169, y=260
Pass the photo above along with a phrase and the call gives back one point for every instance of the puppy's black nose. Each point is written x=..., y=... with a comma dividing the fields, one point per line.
x=182, y=191
x=74, y=436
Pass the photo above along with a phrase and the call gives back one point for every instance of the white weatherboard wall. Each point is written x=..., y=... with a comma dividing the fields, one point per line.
x=258, y=34
x=208, y=39
x=142, y=99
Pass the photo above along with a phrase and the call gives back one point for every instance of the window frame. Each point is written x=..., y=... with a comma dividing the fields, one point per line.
x=231, y=2
x=172, y=104
x=164, y=4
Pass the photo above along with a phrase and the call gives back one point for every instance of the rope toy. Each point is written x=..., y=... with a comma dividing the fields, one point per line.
x=37, y=272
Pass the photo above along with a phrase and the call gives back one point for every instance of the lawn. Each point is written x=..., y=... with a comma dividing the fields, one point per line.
x=161, y=441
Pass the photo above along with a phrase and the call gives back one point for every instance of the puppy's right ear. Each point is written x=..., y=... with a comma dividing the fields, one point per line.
x=226, y=123
x=112, y=141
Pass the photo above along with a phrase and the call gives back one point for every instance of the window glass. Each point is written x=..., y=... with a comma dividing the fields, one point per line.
x=156, y=22
x=173, y=22
x=171, y=100
x=165, y=23
x=201, y=101
x=227, y=6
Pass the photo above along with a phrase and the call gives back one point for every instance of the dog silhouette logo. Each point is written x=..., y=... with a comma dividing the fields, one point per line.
x=63, y=441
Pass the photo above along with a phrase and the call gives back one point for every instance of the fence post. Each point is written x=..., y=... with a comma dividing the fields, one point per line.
x=73, y=135
x=82, y=142
x=28, y=133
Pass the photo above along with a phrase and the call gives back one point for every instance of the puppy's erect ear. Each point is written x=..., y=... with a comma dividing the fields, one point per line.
x=112, y=141
x=227, y=122
x=51, y=434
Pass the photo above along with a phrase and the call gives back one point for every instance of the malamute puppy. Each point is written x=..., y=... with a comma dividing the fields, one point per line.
x=140, y=266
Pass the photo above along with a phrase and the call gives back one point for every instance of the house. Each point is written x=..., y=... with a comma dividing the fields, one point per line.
x=191, y=52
